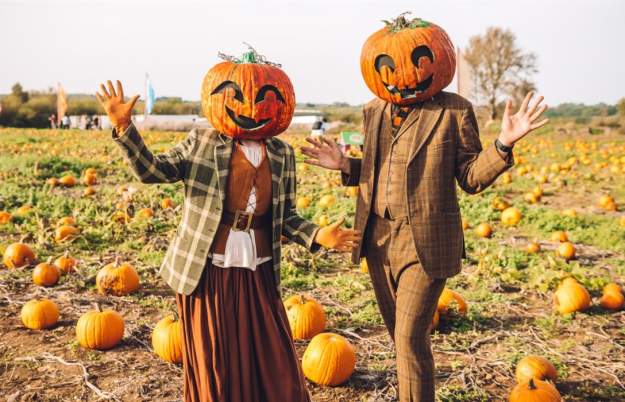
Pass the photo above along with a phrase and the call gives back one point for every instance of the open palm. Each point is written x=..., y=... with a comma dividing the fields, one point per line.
x=518, y=125
x=119, y=113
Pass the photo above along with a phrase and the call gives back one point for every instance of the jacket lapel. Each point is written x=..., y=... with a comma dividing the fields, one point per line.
x=223, y=152
x=276, y=165
x=424, y=127
x=374, y=126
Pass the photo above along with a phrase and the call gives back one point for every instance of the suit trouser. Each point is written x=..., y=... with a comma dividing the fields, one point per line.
x=407, y=298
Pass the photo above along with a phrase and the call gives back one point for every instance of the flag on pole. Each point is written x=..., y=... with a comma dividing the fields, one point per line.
x=61, y=104
x=150, y=96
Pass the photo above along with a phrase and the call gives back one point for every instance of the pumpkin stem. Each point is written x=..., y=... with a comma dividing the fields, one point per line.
x=251, y=56
x=98, y=307
x=401, y=22
x=302, y=300
x=531, y=384
x=116, y=262
x=49, y=262
x=175, y=314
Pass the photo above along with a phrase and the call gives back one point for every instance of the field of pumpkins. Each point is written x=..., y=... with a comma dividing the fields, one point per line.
x=537, y=314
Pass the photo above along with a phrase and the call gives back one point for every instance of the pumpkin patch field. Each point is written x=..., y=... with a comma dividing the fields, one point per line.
x=537, y=312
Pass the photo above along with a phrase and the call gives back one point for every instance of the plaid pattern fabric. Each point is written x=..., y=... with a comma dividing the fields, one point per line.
x=389, y=195
x=202, y=162
x=445, y=149
x=407, y=298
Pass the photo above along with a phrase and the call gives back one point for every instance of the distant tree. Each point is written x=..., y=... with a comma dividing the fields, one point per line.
x=18, y=91
x=621, y=107
x=499, y=66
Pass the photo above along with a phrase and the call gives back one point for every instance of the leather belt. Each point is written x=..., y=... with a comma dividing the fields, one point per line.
x=244, y=221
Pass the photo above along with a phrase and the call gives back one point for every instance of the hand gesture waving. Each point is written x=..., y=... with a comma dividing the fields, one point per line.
x=113, y=103
x=332, y=236
x=516, y=126
x=325, y=153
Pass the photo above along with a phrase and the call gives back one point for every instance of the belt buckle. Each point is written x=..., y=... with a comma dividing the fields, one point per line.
x=237, y=215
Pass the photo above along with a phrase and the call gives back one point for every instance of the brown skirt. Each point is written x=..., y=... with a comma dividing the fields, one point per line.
x=237, y=340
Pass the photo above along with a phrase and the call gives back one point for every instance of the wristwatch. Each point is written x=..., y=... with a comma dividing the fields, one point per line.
x=502, y=147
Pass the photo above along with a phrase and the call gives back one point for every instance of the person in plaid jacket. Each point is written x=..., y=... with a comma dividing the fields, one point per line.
x=224, y=262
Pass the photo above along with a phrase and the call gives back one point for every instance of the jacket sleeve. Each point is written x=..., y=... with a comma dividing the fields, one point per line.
x=353, y=177
x=294, y=227
x=477, y=168
x=167, y=167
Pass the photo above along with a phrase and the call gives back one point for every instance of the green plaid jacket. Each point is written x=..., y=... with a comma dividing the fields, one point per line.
x=202, y=162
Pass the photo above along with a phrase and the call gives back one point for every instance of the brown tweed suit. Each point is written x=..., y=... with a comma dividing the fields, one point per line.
x=410, y=257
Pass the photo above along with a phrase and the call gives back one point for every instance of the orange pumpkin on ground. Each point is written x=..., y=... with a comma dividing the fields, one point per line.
x=46, y=274
x=65, y=233
x=566, y=250
x=66, y=263
x=535, y=391
x=613, y=297
x=248, y=98
x=68, y=180
x=167, y=203
x=535, y=367
x=484, y=230
x=101, y=330
x=533, y=247
x=571, y=296
x=559, y=236
x=167, y=339
x=306, y=317
x=117, y=279
x=66, y=221
x=18, y=255
x=5, y=217
x=408, y=61
x=329, y=359
x=39, y=314
x=449, y=297
x=511, y=216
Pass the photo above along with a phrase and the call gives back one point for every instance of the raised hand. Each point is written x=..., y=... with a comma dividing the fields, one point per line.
x=332, y=236
x=518, y=125
x=119, y=113
x=325, y=153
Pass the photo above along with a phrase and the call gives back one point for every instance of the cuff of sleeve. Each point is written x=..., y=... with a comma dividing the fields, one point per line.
x=129, y=136
x=314, y=246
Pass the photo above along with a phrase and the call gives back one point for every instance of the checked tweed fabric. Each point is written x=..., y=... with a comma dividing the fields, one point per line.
x=445, y=149
x=202, y=162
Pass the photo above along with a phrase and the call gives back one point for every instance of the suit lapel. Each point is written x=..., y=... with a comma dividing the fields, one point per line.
x=424, y=127
x=223, y=153
x=374, y=126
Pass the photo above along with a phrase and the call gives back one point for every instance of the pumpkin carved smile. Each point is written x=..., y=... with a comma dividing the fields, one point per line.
x=246, y=122
x=386, y=61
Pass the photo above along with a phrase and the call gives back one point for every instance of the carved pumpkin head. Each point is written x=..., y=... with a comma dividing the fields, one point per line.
x=408, y=61
x=249, y=98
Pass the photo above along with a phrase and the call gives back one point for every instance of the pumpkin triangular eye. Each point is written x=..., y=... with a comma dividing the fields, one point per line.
x=419, y=52
x=238, y=94
x=268, y=88
x=384, y=60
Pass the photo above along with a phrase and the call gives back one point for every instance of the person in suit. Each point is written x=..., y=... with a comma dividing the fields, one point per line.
x=419, y=142
x=224, y=262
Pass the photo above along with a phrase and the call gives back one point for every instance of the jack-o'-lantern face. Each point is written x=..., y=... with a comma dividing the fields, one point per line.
x=248, y=99
x=408, y=61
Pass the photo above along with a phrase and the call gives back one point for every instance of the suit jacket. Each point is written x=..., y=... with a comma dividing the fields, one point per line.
x=202, y=162
x=445, y=148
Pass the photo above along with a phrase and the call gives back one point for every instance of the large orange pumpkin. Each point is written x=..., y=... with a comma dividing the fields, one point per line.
x=535, y=391
x=39, y=314
x=329, y=359
x=535, y=367
x=18, y=255
x=97, y=329
x=117, y=279
x=571, y=296
x=613, y=297
x=448, y=297
x=248, y=98
x=306, y=316
x=167, y=339
x=46, y=274
x=408, y=61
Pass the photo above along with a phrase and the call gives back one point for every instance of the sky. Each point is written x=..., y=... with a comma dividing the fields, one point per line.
x=579, y=44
